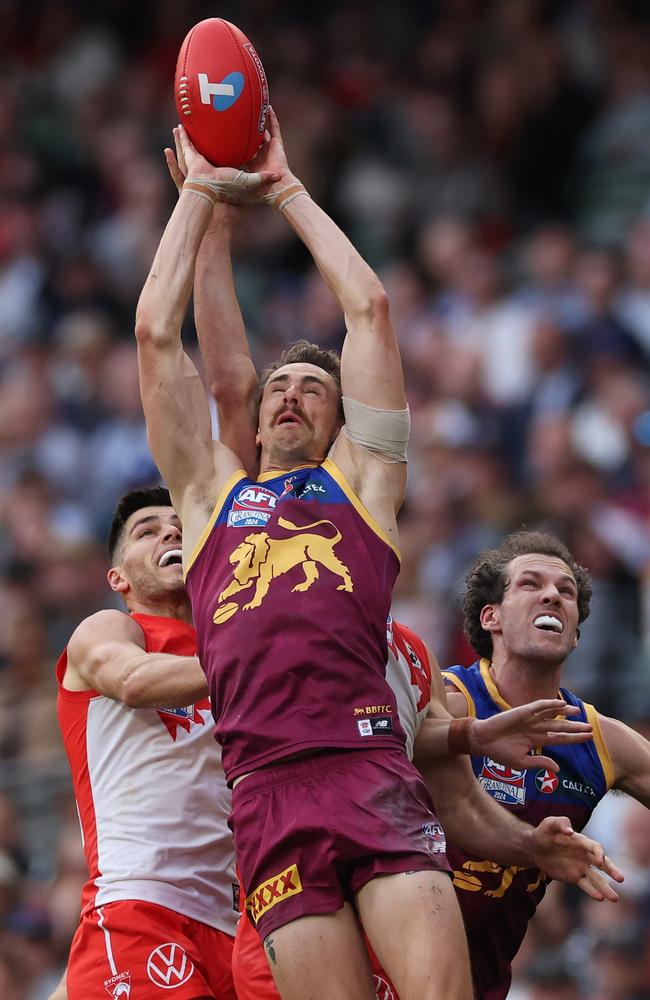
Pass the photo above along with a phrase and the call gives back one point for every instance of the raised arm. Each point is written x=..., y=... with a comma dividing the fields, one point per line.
x=222, y=337
x=107, y=654
x=372, y=450
x=230, y=371
x=371, y=365
x=176, y=410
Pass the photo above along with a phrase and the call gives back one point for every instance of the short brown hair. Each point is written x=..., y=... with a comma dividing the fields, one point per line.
x=302, y=352
x=486, y=581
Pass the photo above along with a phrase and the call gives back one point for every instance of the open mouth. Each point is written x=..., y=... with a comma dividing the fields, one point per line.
x=549, y=623
x=288, y=418
x=172, y=557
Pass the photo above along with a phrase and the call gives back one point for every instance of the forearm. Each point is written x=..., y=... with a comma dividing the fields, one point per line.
x=432, y=739
x=219, y=322
x=443, y=736
x=164, y=298
x=353, y=282
x=161, y=680
x=472, y=820
x=144, y=680
x=222, y=338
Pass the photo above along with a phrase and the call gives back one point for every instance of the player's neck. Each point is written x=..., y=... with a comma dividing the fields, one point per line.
x=278, y=463
x=167, y=606
x=520, y=681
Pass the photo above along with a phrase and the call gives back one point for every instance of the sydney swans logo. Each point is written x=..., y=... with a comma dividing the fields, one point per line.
x=259, y=559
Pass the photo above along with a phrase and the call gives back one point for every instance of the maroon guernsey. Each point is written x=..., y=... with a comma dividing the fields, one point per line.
x=291, y=586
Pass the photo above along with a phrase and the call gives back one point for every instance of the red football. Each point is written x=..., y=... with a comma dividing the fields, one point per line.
x=221, y=92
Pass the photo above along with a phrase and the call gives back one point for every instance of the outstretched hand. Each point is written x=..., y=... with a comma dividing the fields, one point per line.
x=508, y=737
x=235, y=186
x=271, y=156
x=567, y=856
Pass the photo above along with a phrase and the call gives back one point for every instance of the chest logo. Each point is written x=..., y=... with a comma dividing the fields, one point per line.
x=183, y=718
x=546, y=782
x=260, y=559
x=505, y=784
x=252, y=507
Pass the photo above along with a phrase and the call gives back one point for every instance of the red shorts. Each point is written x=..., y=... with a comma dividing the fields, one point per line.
x=311, y=833
x=141, y=950
x=252, y=974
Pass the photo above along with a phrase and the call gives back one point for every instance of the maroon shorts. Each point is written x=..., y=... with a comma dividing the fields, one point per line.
x=311, y=833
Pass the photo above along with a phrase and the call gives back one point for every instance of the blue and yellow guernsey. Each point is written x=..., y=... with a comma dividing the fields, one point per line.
x=498, y=902
x=291, y=585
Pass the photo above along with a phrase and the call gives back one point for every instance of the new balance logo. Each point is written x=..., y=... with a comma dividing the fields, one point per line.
x=168, y=966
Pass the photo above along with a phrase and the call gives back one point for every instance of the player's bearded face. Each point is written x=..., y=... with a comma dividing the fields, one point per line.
x=537, y=618
x=299, y=414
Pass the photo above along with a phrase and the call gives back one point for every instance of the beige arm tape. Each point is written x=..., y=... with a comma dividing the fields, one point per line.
x=383, y=432
x=239, y=189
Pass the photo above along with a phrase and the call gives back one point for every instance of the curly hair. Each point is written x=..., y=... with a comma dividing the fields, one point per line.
x=486, y=581
x=302, y=352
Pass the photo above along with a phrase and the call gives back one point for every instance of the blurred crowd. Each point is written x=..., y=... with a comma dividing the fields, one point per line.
x=491, y=159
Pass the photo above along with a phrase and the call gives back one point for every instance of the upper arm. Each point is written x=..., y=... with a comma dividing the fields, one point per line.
x=177, y=416
x=102, y=647
x=630, y=757
x=237, y=408
x=457, y=703
x=231, y=374
x=371, y=373
x=371, y=370
x=371, y=366
x=179, y=430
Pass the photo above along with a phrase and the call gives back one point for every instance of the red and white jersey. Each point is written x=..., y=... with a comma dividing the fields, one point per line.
x=151, y=795
x=408, y=671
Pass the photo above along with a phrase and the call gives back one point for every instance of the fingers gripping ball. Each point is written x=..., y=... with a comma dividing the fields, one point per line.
x=221, y=92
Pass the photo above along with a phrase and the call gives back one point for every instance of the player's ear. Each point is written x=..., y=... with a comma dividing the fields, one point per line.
x=575, y=641
x=490, y=617
x=116, y=580
x=258, y=439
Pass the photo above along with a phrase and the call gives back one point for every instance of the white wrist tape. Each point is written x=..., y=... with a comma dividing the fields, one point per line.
x=383, y=432
x=280, y=199
x=237, y=190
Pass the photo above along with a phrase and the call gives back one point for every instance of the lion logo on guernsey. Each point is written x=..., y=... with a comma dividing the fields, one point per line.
x=260, y=559
x=273, y=891
x=168, y=966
